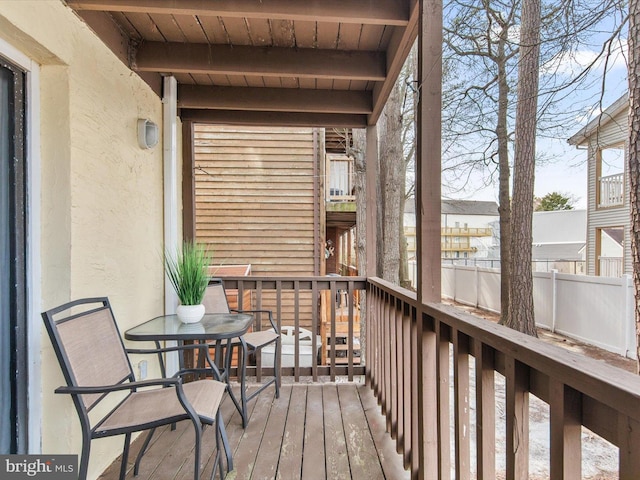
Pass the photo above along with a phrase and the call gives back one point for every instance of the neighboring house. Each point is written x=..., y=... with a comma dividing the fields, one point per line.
x=251, y=207
x=608, y=214
x=278, y=199
x=244, y=180
x=466, y=228
x=559, y=240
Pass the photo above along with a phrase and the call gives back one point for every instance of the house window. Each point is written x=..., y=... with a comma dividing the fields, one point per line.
x=610, y=177
x=13, y=390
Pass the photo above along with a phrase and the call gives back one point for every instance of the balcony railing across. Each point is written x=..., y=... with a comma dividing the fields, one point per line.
x=320, y=304
x=611, y=191
x=411, y=350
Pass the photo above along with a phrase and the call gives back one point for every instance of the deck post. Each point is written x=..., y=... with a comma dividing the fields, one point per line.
x=170, y=160
x=428, y=168
x=428, y=160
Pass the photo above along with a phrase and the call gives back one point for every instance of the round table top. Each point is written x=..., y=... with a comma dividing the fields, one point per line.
x=213, y=326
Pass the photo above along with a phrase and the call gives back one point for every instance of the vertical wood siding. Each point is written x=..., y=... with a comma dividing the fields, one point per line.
x=254, y=195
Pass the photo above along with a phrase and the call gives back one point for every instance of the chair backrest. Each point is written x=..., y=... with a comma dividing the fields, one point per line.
x=88, y=345
x=215, y=299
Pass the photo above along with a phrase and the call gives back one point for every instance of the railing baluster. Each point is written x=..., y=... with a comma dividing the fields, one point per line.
x=415, y=398
x=296, y=330
x=517, y=411
x=315, y=302
x=393, y=369
x=566, y=446
x=376, y=346
x=629, y=443
x=461, y=400
x=485, y=412
x=386, y=361
x=406, y=397
x=442, y=389
x=370, y=335
x=428, y=400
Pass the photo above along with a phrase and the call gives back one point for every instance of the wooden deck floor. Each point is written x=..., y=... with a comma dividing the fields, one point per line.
x=313, y=431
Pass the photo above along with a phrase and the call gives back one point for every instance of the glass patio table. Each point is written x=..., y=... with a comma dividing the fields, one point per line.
x=221, y=329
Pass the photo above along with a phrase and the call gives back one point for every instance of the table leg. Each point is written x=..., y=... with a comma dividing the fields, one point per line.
x=241, y=405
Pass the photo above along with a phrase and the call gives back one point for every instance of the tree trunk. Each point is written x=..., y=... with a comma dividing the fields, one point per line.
x=391, y=185
x=634, y=155
x=521, y=283
x=504, y=172
x=405, y=279
x=359, y=187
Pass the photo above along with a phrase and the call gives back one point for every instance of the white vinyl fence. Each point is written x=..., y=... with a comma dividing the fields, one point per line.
x=594, y=310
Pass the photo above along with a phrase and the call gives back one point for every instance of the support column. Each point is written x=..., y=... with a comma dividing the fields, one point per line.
x=371, y=159
x=428, y=200
x=170, y=161
x=428, y=152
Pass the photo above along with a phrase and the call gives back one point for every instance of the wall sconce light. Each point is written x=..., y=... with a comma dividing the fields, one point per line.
x=147, y=133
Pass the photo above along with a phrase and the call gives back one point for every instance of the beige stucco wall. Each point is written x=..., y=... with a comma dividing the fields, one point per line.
x=101, y=197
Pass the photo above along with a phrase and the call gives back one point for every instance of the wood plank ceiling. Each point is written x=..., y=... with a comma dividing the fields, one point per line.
x=326, y=63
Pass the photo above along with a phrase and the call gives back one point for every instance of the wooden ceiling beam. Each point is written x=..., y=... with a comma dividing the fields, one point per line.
x=378, y=12
x=259, y=61
x=282, y=119
x=399, y=47
x=274, y=99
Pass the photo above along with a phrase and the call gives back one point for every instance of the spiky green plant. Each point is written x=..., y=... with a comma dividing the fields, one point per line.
x=187, y=271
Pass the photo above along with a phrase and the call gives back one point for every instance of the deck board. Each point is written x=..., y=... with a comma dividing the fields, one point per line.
x=290, y=464
x=268, y=456
x=363, y=458
x=313, y=464
x=337, y=460
x=312, y=432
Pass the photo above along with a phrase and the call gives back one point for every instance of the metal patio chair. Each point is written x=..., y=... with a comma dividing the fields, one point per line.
x=215, y=301
x=95, y=364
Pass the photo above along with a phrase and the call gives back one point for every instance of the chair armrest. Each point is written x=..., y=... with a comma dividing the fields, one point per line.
x=165, y=382
x=204, y=371
x=269, y=312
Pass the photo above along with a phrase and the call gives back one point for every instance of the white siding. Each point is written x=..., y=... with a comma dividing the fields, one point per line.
x=610, y=134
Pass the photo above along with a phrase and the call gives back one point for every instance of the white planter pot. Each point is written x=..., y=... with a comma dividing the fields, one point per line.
x=190, y=313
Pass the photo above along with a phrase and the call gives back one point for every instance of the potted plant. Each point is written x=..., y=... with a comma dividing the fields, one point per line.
x=187, y=271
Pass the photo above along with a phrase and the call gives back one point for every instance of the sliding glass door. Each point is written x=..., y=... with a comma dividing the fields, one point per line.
x=13, y=354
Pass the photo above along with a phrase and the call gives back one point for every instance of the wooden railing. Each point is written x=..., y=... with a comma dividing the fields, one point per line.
x=611, y=191
x=611, y=266
x=296, y=302
x=410, y=351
